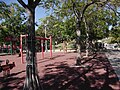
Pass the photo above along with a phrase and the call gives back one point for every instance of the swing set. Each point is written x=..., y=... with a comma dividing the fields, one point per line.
x=40, y=39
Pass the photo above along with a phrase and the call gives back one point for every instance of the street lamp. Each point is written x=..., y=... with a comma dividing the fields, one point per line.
x=46, y=49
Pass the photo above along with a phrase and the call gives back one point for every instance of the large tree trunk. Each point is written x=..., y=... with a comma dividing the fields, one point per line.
x=32, y=79
x=79, y=15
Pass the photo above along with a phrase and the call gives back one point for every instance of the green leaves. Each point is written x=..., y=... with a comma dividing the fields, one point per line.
x=115, y=33
x=4, y=10
x=14, y=25
x=99, y=15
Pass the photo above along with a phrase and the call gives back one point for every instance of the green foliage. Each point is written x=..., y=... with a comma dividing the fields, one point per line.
x=98, y=14
x=14, y=25
x=4, y=10
x=60, y=30
x=115, y=33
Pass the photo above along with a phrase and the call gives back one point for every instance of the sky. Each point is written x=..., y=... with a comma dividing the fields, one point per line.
x=39, y=13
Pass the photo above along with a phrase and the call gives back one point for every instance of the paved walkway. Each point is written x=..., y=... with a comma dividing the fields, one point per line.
x=59, y=73
x=114, y=58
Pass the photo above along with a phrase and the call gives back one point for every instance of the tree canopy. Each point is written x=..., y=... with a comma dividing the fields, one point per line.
x=14, y=23
x=99, y=16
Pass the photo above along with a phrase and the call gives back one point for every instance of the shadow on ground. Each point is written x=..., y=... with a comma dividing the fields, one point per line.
x=95, y=73
x=12, y=82
x=49, y=59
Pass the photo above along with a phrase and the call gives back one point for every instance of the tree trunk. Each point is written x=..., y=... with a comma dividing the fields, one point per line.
x=87, y=38
x=79, y=15
x=32, y=79
x=78, y=61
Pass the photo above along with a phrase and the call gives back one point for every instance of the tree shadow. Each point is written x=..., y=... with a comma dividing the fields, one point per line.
x=1, y=61
x=97, y=75
x=12, y=82
x=14, y=74
x=85, y=60
x=48, y=59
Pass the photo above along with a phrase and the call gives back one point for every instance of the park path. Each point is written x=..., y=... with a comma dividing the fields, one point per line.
x=60, y=73
x=114, y=58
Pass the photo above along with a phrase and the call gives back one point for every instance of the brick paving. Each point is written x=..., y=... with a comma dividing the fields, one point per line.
x=60, y=73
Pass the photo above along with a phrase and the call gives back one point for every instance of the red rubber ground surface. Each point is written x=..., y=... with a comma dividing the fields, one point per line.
x=59, y=73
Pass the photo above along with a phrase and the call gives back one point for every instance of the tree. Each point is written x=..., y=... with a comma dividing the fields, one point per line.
x=4, y=13
x=4, y=10
x=79, y=9
x=75, y=8
x=115, y=33
x=13, y=24
x=98, y=15
x=61, y=30
x=32, y=79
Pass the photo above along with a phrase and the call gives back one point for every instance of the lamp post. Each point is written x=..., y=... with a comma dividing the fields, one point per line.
x=46, y=49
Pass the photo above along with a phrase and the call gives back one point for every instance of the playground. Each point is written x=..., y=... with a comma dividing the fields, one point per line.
x=60, y=72
x=59, y=45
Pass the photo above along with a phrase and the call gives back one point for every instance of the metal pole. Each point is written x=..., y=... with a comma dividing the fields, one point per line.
x=51, y=46
x=46, y=50
x=21, y=51
x=42, y=49
x=11, y=51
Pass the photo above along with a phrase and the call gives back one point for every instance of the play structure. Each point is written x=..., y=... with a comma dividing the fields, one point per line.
x=6, y=68
x=41, y=40
x=9, y=45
